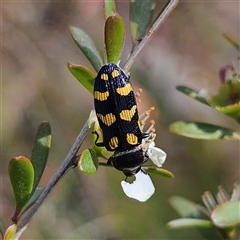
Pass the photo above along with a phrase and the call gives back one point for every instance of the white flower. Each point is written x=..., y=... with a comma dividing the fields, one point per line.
x=157, y=155
x=141, y=189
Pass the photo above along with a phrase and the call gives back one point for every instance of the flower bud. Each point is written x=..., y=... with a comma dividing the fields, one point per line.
x=226, y=73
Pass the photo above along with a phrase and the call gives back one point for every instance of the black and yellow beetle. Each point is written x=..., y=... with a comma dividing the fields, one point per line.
x=117, y=113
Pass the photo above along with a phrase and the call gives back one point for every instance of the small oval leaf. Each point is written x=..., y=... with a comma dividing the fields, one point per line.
x=159, y=171
x=10, y=232
x=83, y=75
x=189, y=223
x=231, y=110
x=88, y=162
x=40, y=151
x=205, y=131
x=21, y=175
x=205, y=227
x=227, y=214
x=110, y=8
x=87, y=46
x=200, y=96
x=141, y=13
x=114, y=37
x=185, y=208
x=227, y=101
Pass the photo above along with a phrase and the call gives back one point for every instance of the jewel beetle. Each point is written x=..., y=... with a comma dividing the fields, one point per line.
x=117, y=113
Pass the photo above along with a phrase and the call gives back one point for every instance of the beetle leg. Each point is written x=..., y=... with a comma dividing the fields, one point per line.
x=100, y=144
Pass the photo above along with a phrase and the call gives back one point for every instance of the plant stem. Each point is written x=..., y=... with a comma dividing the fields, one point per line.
x=67, y=164
x=166, y=11
x=69, y=161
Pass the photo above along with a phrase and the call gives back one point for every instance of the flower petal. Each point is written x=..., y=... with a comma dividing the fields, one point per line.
x=141, y=189
x=146, y=143
x=92, y=119
x=157, y=155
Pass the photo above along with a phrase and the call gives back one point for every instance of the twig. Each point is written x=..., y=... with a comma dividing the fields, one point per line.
x=69, y=161
x=67, y=164
x=166, y=11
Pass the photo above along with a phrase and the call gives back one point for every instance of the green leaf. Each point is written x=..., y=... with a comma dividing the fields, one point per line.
x=21, y=175
x=227, y=214
x=83, y=75
x=227, y=101
x=110, y=8
x=97, y=134
x=32, y=200
x=88, y=162
x=141, y=13
x=189, y=223
x=2, y=227
x=205, y=131
x=235, y=43
x=205, y=227
x=200, y=96
x=40, y=151
x=114, y=37
x=159, y=171
x=102, y=152
x=185, y=208
x=231, y=110
x=10, y=232
x=87, y=46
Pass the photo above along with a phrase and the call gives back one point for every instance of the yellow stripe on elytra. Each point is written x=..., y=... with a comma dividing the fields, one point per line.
x=113, y=143
x=104, y=76
x=101, y=96
x=108, y=120
x=124, y=91
x=115, y=73
x=132, y=139
x=128, y=114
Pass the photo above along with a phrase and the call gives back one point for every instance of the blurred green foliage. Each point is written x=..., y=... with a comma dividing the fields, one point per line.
x=187, y=50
